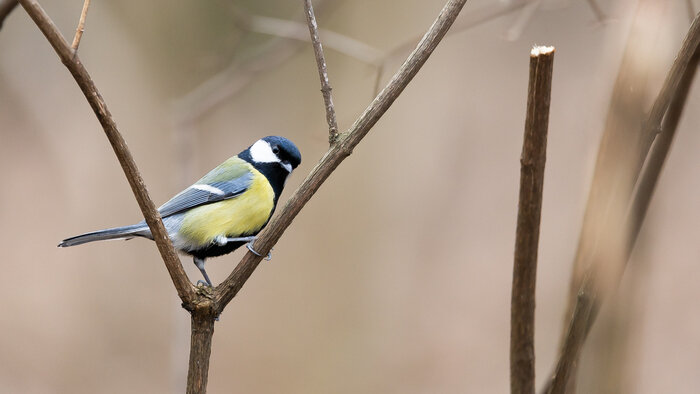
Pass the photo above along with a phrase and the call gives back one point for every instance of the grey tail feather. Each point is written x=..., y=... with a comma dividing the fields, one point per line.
x=136, y=230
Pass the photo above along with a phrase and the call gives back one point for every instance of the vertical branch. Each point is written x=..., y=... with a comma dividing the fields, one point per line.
x=322, y=72
x=200, y=348
x=532, y=162
x=81, y=26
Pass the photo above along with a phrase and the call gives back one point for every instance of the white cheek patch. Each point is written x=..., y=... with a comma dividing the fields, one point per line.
x=261, y=152
x=208, y=188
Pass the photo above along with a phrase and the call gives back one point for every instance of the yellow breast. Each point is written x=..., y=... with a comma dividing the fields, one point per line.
x=245, y=214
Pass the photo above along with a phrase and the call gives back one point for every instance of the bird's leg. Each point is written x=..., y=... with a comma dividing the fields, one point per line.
x=249, y=245
x=200, y=264
x=222, y=240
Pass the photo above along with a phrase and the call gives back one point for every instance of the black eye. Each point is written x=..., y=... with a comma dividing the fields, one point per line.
x=275, y=150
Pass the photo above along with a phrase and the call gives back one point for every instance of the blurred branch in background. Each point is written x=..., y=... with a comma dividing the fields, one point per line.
x=326, y=89
x=81, y=26
x=292, y=34
x=6, y=6
x=659, y=152
x=224, y=85
x=615, y=209
x=527, y=234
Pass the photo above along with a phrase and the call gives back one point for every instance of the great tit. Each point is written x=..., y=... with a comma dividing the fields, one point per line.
x=223, y=210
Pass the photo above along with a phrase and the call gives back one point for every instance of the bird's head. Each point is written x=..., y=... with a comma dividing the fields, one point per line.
x=275, y=149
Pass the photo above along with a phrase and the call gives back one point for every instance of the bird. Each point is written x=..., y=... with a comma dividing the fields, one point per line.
x=224, y=209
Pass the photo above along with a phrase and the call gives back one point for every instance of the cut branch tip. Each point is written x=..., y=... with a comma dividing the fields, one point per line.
x=539, y=50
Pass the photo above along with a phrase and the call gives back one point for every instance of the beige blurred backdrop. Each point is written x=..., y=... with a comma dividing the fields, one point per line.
x=396, y=276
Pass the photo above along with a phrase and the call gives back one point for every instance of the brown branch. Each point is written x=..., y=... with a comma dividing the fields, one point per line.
x=6, y=7
x=225, y=292
x=532, y=161
x=585, y=310
x=185, y=290
x=322, y=73
x=670, y=88
x=663, y=119
x=657, y=157
x=81, y=26
x=202, y=328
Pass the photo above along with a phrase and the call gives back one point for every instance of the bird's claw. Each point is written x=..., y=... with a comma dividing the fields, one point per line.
x=249, y=245
x=203, y=283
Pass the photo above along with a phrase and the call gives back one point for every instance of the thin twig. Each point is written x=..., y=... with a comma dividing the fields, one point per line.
x=81, y=26
x=585, y=309
x=657, y=157
x=185, y=290
x=227, y=83
x=326, y=89
x=670, y=88
x=6, y=6
x=225, y=292
x=667, y=109
x=532, y=161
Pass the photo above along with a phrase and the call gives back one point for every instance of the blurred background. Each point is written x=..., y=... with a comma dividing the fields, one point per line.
x=396, y=277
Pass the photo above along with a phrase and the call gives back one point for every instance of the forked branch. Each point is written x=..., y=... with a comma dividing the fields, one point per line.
x=205, y=308
x=81, y=26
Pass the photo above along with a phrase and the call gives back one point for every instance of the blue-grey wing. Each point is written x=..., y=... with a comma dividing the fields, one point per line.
x=206, y=193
